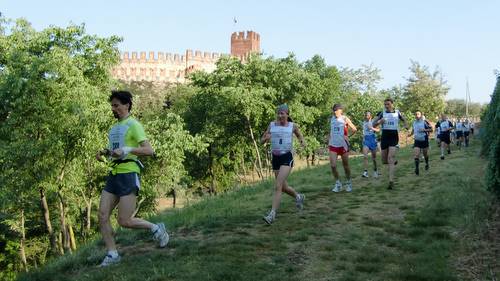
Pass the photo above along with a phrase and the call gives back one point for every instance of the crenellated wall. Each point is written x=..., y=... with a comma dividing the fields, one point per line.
x=163, y=67
x=172, y=68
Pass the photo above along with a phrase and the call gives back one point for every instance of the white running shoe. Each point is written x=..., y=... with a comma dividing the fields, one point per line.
x=375, y=174
x=269, y=219
x=348, y=186
x=299, y=201
x=365, y=174
x=110, y=260
x=161, y=235
x=337, y=187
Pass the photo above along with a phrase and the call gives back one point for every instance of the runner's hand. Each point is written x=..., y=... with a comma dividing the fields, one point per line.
x=117, y=153
x=98, y=156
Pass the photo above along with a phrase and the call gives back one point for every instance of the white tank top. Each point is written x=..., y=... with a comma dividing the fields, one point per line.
x=367, y=128
x=417, y=126
x=391, y=120
x=281, y=138
x=337, y=131
x=116, y=135
x=460, y=127
x=466, y=127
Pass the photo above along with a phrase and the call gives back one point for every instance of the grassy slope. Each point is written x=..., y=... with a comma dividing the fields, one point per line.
x=410, y=233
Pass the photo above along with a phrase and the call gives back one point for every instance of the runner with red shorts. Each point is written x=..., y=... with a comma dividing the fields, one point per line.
x=338, y=145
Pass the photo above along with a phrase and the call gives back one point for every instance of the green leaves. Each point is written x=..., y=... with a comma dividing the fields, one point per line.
x=424, y=91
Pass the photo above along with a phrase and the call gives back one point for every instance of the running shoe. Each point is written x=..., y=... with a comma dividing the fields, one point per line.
x=365, y=174
x=337, y=187
x=348, y=186
x=299, y=201
x=442, y=157
x=110, y=260
x=391, y=185
x=375, y=174
x=269, y=219
x=161, y=235
x=417, y=171
x=426, y=167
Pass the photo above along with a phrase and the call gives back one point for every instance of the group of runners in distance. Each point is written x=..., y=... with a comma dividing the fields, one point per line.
x=280, y=133
x=127, y=141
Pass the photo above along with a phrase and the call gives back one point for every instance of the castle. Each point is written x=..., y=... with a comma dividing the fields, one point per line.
x=172, y=68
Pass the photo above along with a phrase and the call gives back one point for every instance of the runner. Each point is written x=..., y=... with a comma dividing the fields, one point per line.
x=437, y=133
x=389, y=119
x=421, y=129
x=466, y=129
x=338, y=144
x=127, y=140
x=369, y=144
x=459, y=131
x=280, y=132
x=445, y=127
x=472, y=125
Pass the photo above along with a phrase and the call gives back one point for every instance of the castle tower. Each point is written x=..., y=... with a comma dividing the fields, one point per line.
x=242, y=44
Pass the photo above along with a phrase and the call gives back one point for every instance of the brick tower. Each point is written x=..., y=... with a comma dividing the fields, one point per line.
x=243, y=44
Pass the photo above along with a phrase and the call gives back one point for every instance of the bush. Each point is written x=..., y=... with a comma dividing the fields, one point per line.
x=491, y=140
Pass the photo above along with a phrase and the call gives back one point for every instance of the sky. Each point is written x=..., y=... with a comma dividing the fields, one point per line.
x=459, y=37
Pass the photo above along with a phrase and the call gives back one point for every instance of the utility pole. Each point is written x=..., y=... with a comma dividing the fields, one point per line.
x=467, y=98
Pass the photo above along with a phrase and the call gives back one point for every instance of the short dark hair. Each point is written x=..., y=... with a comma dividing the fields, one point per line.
x=389, y=99
x=125, y=97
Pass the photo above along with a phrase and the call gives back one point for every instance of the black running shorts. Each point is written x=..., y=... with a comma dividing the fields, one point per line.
x=282, y=160
x=445, y=137
x=389, y=138
x=421, y=144
x=123, y=184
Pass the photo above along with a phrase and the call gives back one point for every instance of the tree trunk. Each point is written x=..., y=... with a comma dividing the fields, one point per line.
x=59, y=243
x=72, y=239
x=22, y=253
x=64, y=227
x=259, y=161
x=174, y=198
x=211, y=190
x=313, y=160
x=88, y=216
x=243, y=164
x=46, y=218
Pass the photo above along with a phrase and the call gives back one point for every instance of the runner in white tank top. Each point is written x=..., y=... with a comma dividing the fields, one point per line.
x=389, y=119
x=280, y=133
x=338, y=144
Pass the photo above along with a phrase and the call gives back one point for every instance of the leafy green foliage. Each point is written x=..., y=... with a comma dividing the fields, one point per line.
x=425, y=91
x=491, y=139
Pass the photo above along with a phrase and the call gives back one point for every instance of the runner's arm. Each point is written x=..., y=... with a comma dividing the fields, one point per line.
x=144, y=149
x=377, y=120
x=266, y=136
x=411, y=132
x=299, y=135
x=405, y=122
x=351, y=125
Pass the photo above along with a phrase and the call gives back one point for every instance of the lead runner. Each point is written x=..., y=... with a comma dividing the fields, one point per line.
x=127, y=140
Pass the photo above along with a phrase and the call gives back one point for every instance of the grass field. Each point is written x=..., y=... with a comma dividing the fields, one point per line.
x=414, y=232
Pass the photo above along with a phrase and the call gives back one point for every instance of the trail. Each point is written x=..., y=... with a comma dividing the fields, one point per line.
x=369, y=234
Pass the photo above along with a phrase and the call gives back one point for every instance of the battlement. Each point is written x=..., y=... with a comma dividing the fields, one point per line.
x=161, y=57
x=244, y=43
x=173, y=68
x=245, y=36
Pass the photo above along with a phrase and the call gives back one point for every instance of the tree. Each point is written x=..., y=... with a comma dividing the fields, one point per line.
x=491, y=140
x=424, y=91
x=52, y=83
x=457, y=108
